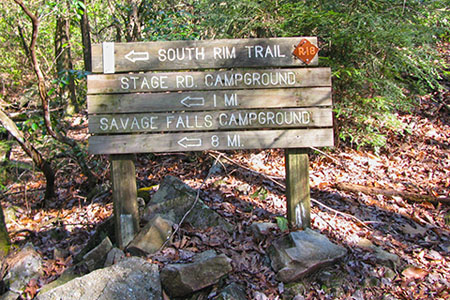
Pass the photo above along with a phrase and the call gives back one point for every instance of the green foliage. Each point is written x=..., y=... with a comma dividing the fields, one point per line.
x=381, y=52
x=381, y=55
x=282, y=223
x=260, y=193
x=237, y=18
x=170, y=25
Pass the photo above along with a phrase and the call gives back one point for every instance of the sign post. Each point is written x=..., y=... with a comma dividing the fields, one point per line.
x=221, y=95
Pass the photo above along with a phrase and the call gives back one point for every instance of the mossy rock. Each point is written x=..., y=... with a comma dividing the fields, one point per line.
x=105, y=229
x=174, y=198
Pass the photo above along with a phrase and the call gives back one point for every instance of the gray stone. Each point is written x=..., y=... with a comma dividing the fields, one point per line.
x=233, y=291
x=131, y=278
x=219, y=166
x=95, y=258
x=174, y=198
x=24, y=266
x=386, y=258
x=381, y=255
x=105, y=229
x=206, y=269
x=152, y=236
x=261, y=229
x=259, y=296
x=9, y=295
x=65, y=277
x=301, y=252
x=114, y=256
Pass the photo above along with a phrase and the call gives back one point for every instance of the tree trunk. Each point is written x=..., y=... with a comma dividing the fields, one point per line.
x=64, y=64
x=35, y=155
x=5, y=242
x=132, y=23
x=86, y=40
x=43, y=95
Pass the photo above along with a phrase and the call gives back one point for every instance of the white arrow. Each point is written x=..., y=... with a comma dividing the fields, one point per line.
x=135, y=56
x=193, y=101
x=186, y=142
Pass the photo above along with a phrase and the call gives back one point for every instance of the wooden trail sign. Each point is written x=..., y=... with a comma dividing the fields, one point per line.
x=184, y=55
x=220, y=95
x=209, y=100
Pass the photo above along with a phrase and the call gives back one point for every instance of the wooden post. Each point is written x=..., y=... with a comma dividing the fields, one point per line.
x=297, y=188
x=126, y=213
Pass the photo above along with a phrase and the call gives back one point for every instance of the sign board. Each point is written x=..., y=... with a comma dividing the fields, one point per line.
x=203, y=95
x=209, y=100
x=264, y=101
x=211, y=54
x=221, y=140
x=209, y=80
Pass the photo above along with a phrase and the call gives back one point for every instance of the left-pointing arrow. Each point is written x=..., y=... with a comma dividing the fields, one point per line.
x=186, y=142
x=193, y=101
x=135, y=56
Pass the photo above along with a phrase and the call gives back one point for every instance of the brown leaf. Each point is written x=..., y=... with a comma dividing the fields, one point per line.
x=413, y=273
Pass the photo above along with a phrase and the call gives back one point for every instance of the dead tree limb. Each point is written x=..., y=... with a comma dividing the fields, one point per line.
x=32, y=152
x=413, y=197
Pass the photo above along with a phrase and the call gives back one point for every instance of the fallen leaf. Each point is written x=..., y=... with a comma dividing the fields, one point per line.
x=408, y=229
x=413, y=273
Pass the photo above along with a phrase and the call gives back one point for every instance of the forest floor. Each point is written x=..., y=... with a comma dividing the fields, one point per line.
x=398, y=199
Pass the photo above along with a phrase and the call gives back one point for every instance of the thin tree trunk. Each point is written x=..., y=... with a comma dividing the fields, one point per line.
x=86, y=40
x=45, y=101
x=32, y=152
x=73, y=104
x=5, y=242
x=64, y=64
x=24, y=43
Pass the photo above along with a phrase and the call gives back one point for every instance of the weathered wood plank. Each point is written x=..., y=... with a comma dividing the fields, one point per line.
x=209, y=100
x=297, y=188
x=183, y=55
x=209, y=80
x=212, y=120
x=126, y=214
x=198, y=141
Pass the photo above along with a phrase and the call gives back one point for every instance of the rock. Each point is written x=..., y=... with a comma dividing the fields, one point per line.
x=219, y=166
x=105, y=229
x=386, y=258
x=64, y=278
x=301, y=252
x=365, y=243
x=11, y=213
x=261, y=229
x=259, y=296
x=174, y=198
x=9, y=295
x=389, y=274
x=59, y=253
x=24, y=266
x=131, y=278
x=381, y=255
x=206, y=269
x=152, y=236
x=95, y=258
x=114, y=256
x=232, y=292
